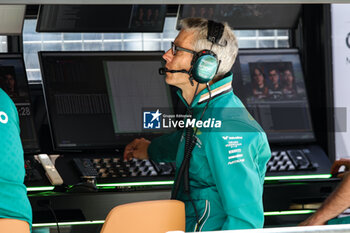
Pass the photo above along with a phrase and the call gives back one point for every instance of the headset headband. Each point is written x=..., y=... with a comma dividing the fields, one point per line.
x=205, y=63
x=215, y=31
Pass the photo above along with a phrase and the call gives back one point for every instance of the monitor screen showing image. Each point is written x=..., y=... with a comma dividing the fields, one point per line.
x=13, y=80
x=271, y=85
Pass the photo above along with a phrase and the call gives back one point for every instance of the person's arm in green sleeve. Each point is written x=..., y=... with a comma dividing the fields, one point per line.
x=264, y=155
x=233, y=160
x=163, y=148
x=14, y=203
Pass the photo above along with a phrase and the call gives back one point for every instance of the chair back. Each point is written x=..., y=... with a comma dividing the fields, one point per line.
x=146, y=217
x=8, y=225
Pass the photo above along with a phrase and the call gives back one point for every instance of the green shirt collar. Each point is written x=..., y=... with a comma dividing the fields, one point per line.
x=216, y=88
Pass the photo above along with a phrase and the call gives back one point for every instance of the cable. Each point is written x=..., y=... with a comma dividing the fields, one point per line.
x=187, y=178
x=47, y=204
x=178, y=179
x=54, y=215
x=195, y=93
x=183, y=174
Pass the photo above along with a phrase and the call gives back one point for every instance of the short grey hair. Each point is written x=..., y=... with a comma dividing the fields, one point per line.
x=226, y=54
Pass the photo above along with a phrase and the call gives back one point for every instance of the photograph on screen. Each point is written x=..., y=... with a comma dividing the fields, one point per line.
x=274, y=81
x=147, y=17
x=267, y=78
x=12, y=79
x=8, y=80
x=202, y=11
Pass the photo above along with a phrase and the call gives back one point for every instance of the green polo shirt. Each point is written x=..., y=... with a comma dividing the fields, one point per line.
x=14, y=202
x=228, y=163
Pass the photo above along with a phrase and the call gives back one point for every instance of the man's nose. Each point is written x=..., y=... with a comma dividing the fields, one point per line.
x=168, y=56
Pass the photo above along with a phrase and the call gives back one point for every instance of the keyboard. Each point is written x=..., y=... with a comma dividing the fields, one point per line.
x=118, y=168
x=281, y=161
x=290, y=160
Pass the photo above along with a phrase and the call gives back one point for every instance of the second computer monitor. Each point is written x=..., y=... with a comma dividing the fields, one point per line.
x=271, y=84
x=13, y=80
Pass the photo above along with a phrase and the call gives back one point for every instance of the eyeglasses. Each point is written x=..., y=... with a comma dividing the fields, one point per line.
x=175, y=48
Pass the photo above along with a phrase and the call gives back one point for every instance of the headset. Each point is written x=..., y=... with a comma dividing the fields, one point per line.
x=204, y=66
x=205, y=63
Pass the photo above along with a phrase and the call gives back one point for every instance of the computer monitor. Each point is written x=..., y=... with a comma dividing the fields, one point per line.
x=271, y=85
x=245, y=16
x=13, y=80
x=101, y=18
x=96, y=100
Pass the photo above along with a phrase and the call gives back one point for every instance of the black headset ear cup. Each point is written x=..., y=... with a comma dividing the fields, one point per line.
x=215, y=31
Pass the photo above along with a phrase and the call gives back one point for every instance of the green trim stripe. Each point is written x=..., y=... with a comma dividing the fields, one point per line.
x=299, y=177
x=170, y=182
x=288, y=212
x=167, y=182
x=68, y=223
x=41, y=188
x=273, y=213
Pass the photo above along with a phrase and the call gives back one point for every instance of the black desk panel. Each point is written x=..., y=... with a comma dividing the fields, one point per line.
x=70, y=207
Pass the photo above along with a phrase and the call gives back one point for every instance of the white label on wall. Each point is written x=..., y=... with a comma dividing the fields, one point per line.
x=341, y=75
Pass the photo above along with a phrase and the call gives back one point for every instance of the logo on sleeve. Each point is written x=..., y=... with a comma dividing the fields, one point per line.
x=3, y=117
x=232, y=138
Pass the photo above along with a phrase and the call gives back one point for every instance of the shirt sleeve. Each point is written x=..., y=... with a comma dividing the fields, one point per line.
x=11, y=150
x=164, y=148
x=237, y=161
x=14, y=203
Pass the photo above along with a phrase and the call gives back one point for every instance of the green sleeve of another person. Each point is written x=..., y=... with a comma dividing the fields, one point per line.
x=14, y=202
